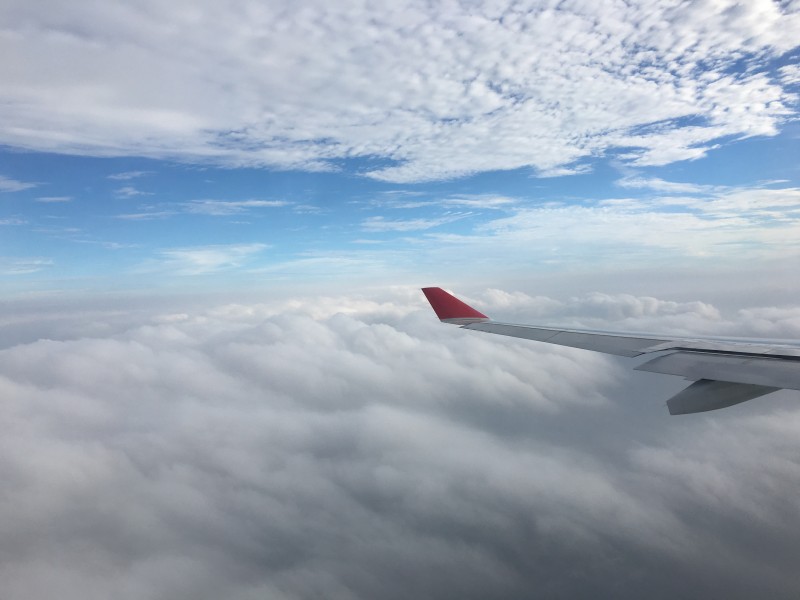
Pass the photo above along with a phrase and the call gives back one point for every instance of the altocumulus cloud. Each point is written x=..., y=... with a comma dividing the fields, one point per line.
x=355, y=448
x=437, y=91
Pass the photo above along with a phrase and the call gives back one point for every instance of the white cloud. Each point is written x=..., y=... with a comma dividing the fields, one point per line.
x=54, y=199
x=479, y=201
x=23, y=266
x=442, y=90
x=378, y=224
x=728, y=225
x=196, y=260
x=147, y=215
x=562, y=171
x=790, y=74
x=660, y=185
x=129, y=191
x=626, y=312
x=353, y=447
x=308, y=209
x=398, y=200
x=201, y=207
x=128, y=175
x=229, y=207
x=13, y=185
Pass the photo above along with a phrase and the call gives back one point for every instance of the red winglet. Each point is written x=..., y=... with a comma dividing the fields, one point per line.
x=450, y=308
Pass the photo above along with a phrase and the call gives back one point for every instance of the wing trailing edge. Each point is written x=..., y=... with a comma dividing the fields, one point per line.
x=724, y=372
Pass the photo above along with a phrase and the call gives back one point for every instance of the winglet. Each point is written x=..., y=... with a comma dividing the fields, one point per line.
x=450, y=309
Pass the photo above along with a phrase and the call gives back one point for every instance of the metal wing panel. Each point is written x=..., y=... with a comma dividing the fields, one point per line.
x=621, y=345
x=764, y=348
x=755, y=370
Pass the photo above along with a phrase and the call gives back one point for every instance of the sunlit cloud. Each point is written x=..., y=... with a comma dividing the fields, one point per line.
x=128, y=175
x=198, y=260
x=54, y=199
x=13, y=185
x=378, y=224
x=229, y=207
x=23, y=266
x=146, y=215
x=479, y=201
x=660, y=185
x=439, y=92
x=129, y=191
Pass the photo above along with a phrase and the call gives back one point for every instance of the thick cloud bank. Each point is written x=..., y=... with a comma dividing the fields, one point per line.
x=347, y=448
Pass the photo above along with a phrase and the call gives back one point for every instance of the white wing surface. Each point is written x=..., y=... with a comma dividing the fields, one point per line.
x=724, y=372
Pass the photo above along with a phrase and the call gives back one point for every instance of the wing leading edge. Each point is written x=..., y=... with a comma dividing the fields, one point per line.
x=723, y=372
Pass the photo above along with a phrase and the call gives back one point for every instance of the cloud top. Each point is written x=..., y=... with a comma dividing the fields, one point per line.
x=353, y=447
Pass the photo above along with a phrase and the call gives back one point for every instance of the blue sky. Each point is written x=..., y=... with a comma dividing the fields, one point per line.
x=163, y=147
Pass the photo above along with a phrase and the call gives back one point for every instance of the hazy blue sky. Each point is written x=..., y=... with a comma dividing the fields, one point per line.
x=219, y=378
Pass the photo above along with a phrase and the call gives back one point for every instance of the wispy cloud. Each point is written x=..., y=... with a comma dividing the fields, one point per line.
x=23, y=266
x=197, y=260
x=54, y=199
x=725, y=222
x=397, y=200
x=660, y=185
x=221, y=208
x=147, y=215
x=479, y=201
x=13, y=185
x=229, y=207
x=308, y=209
x=563, y=171
x=128, y=175
x=381, y=224
x=58, y=230
x=727, y=225
x=129, y=191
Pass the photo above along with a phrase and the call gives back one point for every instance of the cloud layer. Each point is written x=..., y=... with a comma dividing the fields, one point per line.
x=428, y=91
x=353, y=447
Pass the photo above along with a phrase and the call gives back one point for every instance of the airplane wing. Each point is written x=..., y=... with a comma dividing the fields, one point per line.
x=724, y=372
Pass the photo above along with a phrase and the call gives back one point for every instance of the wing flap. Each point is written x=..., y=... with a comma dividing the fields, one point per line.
x=721, y=345
x=770, y=372
x=704, y=395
